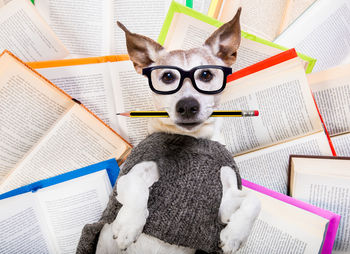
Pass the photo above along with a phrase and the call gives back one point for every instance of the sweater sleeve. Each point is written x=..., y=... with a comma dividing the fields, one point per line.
x=90, y=233
x=228, y=160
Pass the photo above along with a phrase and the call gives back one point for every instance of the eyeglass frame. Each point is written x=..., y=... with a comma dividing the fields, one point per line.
x=186, y=74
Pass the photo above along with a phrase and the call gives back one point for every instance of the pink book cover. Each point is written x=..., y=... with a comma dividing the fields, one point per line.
x=331, y=217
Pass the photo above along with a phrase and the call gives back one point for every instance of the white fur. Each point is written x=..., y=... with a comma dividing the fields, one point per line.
x=238, y=209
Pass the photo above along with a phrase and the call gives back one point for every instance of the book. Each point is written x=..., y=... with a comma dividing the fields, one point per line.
x=4, y=2
x=324, y=182
x=287, y=225
x=106, y=86
x=185, y=28
x=25, y=33
x=48, y=216
x=90, y=29
x=198, y=5
x=321, y=32
x=44, y=131
x=331, y=89
x=289, y=121
x=266, y=19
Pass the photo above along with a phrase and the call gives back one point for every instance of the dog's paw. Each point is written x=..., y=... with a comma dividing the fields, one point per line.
x=230, y=239
x=128, y=226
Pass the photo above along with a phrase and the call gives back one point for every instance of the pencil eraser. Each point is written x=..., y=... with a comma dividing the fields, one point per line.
x=256, y=113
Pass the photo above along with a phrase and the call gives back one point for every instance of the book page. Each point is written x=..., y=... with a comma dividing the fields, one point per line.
x=331, y=90
x=25, y=33
x=294, y=9
x=200, y=5
x=334, y=166
x=187, y=32
x=3, y=2
x=77, y=140
x=284, y=228
x=269, y=167
x=29, y=107
x=70, y=205
x=322, y=32
x=83, y=26
x=251, y=52
x=341, y=144
x=142, y=17
x=91, y=84
x=261, y=18
x=322, y=191
x=285, y=103
x=22, y=226
x=132, y=92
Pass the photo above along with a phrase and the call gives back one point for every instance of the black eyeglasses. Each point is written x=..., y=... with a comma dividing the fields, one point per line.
x=207, y=79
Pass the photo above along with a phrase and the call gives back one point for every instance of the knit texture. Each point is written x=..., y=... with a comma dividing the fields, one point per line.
x=184, y=203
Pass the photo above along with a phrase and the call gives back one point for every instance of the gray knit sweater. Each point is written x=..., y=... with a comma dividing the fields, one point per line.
x=184, y=203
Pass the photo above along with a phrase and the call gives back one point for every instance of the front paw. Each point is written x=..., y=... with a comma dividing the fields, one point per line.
x=230, y=239
x=128, y=226
x=238, y=229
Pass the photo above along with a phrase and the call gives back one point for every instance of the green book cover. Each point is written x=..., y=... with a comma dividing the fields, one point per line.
x=189, y=3
x=179, y=8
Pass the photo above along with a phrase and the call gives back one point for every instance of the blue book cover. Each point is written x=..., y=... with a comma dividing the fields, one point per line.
x=110, y=165
x=47, y=216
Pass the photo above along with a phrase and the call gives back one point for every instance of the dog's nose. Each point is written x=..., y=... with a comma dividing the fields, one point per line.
x=187, y=108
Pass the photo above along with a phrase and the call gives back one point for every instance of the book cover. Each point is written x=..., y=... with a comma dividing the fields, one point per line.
x=277, y=59
x=333, y=218
x=178, y=8
x=110, y=165
x=30, y=66
x=77, y=61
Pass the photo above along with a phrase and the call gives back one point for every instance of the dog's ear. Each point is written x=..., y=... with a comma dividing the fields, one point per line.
x=224, y=42
x=142, y=50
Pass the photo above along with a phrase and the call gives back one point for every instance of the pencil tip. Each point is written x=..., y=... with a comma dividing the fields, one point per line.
x=123, y=114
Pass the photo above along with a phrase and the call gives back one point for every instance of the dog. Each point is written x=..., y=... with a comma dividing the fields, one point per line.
x=189, y=114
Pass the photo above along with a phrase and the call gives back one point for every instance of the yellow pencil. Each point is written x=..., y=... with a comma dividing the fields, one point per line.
x=216, y=113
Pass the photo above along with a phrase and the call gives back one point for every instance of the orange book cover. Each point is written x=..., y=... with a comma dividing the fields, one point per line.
x=30, y=66
x=77, y=61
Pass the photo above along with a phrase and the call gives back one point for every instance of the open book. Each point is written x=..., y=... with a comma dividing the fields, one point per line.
x=106, y=86
x=185, y=28
x=44, y=132
x=48, y=216
x=287, y=225
x=331, y=89
x=289, y=122
x=266, y=19
x=324, y=182
x=323, y=32
x=25, y=33
x=89, y=28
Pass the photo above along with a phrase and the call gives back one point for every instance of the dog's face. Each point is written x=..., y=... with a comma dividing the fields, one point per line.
x=189, y=110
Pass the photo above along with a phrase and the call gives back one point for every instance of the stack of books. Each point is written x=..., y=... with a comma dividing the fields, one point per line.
x=65, y=73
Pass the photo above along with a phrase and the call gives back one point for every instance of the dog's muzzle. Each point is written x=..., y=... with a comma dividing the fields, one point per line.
x=187, y=110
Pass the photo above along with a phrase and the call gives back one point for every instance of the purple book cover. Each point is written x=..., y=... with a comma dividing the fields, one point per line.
x=331, y=217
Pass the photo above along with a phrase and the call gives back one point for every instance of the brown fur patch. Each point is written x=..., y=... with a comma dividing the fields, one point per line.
x=225, y=41
x=139, y=48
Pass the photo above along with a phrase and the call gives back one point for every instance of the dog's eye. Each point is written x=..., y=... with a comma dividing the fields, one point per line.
x=168, y=77
x=205, y=76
